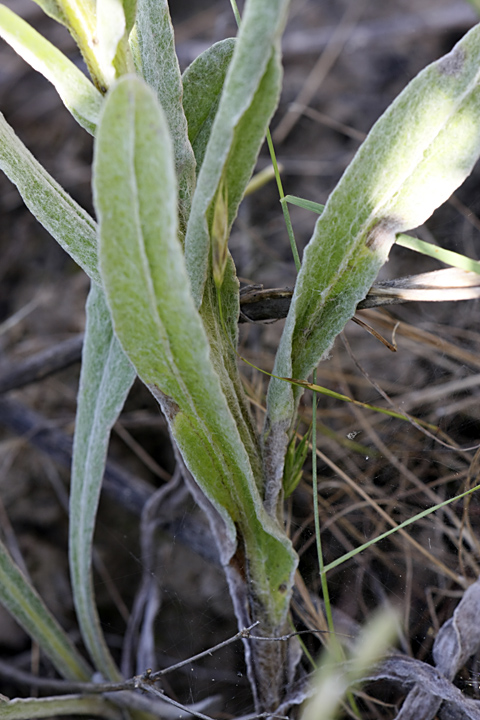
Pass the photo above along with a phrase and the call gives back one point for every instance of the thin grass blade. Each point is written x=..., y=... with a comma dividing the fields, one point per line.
x=445, y=256
x=405, y=523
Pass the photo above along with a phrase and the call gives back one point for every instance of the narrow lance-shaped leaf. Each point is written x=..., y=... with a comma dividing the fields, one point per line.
x=105, y=380
x=415, y=156
x=234, y=142
x=160, y=69
x=22, y=601
x=202, y=88
x=160, y=329
x=78, y=94
x=67, y=222
x=249, y=98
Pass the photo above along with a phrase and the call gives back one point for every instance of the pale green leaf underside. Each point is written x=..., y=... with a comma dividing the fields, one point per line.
x=78, y=94
x=239, y=128
x=23, y=602
x=60, y=215
x=160, y=69
x=105, y=380
x=111, y=30
x=160, y=329
x=71, y=13
x=415, y=156
x=202, y=87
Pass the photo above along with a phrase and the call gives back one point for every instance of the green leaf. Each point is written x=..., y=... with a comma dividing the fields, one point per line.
x=78, y=94
x=160, y=69
x=19, y=597
x=160, y=329
x=415, y=156
x=67, y=705
x=54, y=9
x=130, y=10
x=407, y=241
x=249, y=98
x=202, y=88
x=105, y=381
x=80, y=17
x=62, y=217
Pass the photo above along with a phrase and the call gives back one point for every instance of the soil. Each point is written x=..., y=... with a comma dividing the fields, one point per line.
x=364, y=52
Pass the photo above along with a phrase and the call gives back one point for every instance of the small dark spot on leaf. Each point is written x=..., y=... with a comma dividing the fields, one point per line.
x=452, y=64
x=382, y=235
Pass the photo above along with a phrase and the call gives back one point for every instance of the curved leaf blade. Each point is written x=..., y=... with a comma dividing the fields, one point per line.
x=112, y=51
x=203, y=82
x=67, y=222
x=78, y=94
x=54, y=9
x=415, y=156
x=105, y=380
x=160, y=329
x=161, y=71
x=22, y=601
x=249, y=98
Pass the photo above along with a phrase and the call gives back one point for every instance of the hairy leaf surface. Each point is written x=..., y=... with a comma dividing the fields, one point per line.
x=202, y=88
x=105, y=381
x=160, y=69
x=161, y=331
x=78, y=94
x=67, y=222
x=22, y=601
x=248, y=101
x=415, y=156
